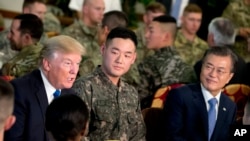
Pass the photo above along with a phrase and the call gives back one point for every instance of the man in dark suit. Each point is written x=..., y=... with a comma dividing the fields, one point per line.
x=58, y=67
x=188, y=110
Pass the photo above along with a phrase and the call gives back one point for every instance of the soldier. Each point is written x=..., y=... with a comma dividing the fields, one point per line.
x=36, y=7
x=24, y=35
x=113, y=104
x=153, y=10
x=110, y=20
x=238, y=11
x=190, y=47
x=165, y=67
x=85, y=29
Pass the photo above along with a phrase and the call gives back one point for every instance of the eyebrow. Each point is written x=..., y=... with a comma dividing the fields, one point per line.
x=127, y=52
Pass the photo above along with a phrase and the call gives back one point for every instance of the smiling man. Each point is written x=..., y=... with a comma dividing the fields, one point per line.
x=113, y=104
x=188, y=112
x=59, y=64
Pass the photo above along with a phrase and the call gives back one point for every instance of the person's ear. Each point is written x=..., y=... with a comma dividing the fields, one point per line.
x=103, y=47
x=46, y=64
x=27, y=38
x=210, y=39
x=9, y=122
x=106, y=31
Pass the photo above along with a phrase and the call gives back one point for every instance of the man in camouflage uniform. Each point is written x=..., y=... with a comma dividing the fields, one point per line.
x=110, y=20
x=165, y=67
x=36, y=7
x=84, y=30
x=154, y=9
x=190, y=47
x=25, y=32
x=113, y=104
x=239, y=12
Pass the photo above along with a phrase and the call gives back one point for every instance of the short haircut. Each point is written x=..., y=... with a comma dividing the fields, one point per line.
x=223, y=30
x=27, y=3
x=168, y=22
x=31, y=24
x=61, y=43
x=155, y=7
x=114, y=19
x=121, y=32
x=66, y=117
x=192, y=8
x=6, y=100
x=223, y=52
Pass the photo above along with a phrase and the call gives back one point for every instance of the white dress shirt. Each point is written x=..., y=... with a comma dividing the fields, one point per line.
x=207, y=96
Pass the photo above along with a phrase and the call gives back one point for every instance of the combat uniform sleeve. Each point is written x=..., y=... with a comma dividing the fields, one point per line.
x=146, y=77
x=142, y=127
x=83, y=90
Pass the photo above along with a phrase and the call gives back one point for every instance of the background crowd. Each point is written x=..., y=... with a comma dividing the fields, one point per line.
x=93, y=78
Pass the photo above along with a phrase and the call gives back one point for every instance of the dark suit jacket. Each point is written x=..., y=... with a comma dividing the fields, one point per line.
x=30, y=107
x=187, y=117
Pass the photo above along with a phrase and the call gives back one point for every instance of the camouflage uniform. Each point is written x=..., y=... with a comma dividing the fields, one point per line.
x=190, y=52
x=6, y=53
x=51, y=23
x=239, y=14
x=24, y=62
x=115, y=111
x=142, y=50
x=165, y=67
x=85, y=35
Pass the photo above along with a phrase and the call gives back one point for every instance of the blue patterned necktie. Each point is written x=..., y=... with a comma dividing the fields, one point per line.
x=176, y=9
x=211, y=116
x=56, y=93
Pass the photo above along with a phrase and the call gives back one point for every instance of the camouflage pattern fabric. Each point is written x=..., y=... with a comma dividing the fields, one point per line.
x=190, y=52
x=51, y=23
x=24, y=62
x=6, y=53
x=239, y=13
x=115, y=110
x=163, y=68
x=85, y=35
x=142, y=50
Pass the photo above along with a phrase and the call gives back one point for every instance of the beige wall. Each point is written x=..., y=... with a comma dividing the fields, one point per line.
x=12, y=5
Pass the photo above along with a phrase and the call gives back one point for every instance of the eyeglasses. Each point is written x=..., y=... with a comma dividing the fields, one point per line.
x=219, y=71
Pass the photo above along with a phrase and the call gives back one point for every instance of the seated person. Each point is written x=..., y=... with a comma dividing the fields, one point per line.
x=165, y=67
x=221, y=32
x=25, y=33
x=66, y=118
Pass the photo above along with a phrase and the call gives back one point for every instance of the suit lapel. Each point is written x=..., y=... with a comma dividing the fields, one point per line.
x=201, y=107
x=41, y=92
x=222, y=112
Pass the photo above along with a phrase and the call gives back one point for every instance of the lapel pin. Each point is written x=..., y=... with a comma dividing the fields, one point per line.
x=224, y=109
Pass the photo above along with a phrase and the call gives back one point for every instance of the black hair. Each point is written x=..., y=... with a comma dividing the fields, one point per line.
x=30, y=24
x=122, y=32
x=222, y=51
x=66, y=117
